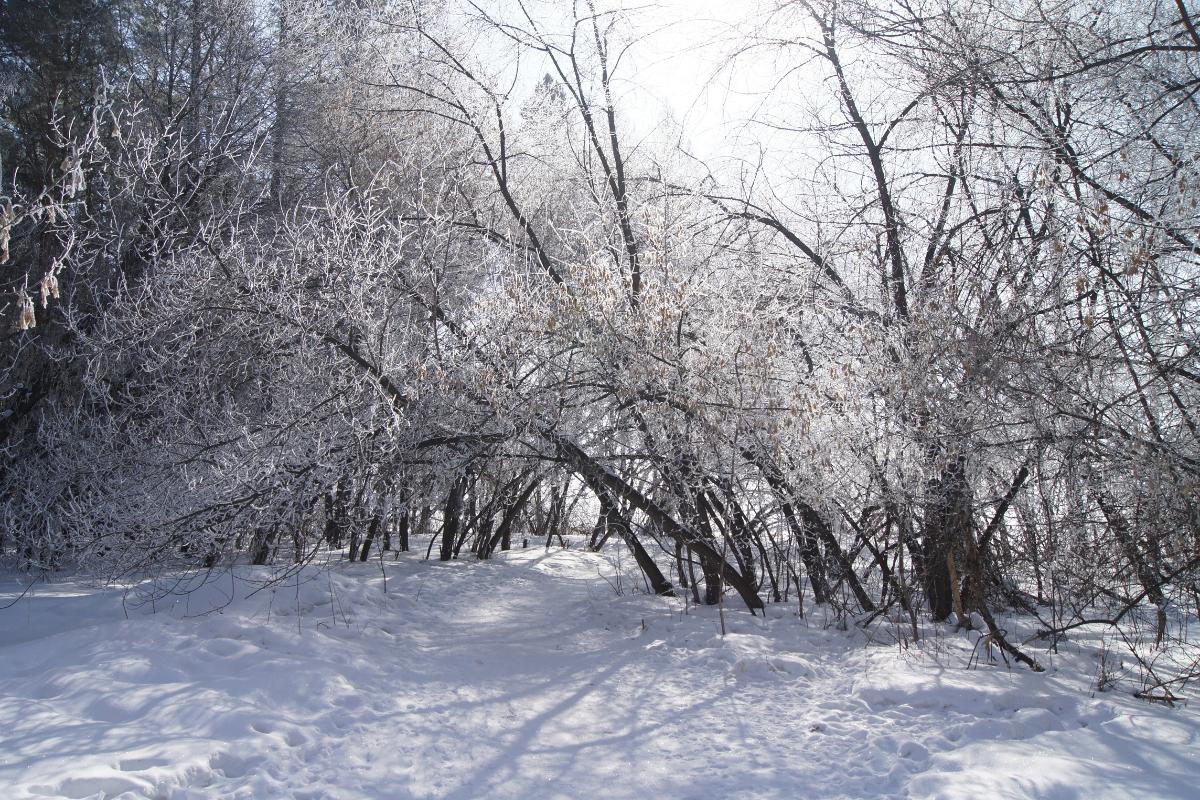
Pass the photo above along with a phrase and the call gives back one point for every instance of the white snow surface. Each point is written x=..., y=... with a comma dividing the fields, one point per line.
x=536, y=675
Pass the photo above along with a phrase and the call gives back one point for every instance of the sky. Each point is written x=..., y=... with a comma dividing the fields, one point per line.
x=687, y=68
x=681, y=66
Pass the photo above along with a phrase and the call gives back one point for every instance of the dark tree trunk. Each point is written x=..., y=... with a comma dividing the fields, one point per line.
x=602, y=529
x=710, y=567
x=947, y=527
x=502, y=538
x=377, y=522
x=337, y=514
x=1147, y=575
x=554, y=518
x=484, y=539
x=713, y=587
x=658, y=582
x=279, y=128
x=402, y=526
x=592, y=471
x=330, y=533
x=618, y=523
x=451, y=518
x=683, y=576
x=470, y=518
x=740, y=533
x=834, y=552
x=810, y=553
x=260, y=549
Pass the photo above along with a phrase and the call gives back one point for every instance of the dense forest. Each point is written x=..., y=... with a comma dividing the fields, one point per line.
x=291, y=277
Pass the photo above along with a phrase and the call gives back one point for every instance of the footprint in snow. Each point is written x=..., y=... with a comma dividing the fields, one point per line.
x=914, y=751
x=140, y=764
x=224, y=648
x=228, y=765
x=80, y=788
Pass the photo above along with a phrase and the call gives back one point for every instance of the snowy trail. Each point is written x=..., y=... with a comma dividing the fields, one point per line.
x=528, y=677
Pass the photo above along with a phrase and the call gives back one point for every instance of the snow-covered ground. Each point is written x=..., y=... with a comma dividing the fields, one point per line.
x=531, y=677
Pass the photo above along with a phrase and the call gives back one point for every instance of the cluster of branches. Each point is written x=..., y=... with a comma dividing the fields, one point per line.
x=343, y=273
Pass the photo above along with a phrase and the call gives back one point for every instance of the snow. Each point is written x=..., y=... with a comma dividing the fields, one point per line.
x=536, y=675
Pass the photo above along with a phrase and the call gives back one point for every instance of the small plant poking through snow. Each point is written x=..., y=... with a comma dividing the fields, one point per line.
x=1110, y=669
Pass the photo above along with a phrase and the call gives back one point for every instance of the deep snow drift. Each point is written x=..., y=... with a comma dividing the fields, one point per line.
x=537, y=675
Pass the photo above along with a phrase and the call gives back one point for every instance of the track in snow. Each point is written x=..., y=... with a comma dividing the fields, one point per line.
x=529, y=677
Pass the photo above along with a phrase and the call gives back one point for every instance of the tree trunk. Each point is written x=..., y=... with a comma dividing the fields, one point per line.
x=1146, y=574
x=451, y=518
x=279, y=128
x=377, y=521
x=619, y=524
x=402, y=530
x=503, y=534
x=947, y=526
x=590, y=470
x=260, y=547
x=603, y=528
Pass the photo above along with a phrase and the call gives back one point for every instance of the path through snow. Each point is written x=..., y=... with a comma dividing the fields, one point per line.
x=529, y=677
